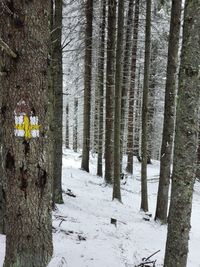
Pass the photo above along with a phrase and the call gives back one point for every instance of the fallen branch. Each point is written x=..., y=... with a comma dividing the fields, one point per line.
x=7, y=49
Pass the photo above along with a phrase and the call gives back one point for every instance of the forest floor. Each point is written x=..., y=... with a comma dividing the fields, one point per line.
x=83, y=235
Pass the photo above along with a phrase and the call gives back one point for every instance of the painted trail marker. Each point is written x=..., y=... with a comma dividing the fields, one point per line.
x=26, y=123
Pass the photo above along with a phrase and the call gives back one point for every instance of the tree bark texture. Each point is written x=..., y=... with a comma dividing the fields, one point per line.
x=130, y=136
x=186, y=140
x=25, y=27
x=87, y=85
x=67, y=127
x=2, y=182
x=101, y=89
x=144, y=196
x=126, y=71
x=118, y=92
x=110, y=85
x=58, y=102
x=75, y=128
x=169, y=113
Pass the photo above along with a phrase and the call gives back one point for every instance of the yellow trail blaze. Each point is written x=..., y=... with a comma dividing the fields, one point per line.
x=27, y=127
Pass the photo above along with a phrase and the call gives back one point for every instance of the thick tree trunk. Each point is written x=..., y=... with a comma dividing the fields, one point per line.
x=169, y=113
x=110, y=85
x=67, y=127
x=75, y=130
x=101, y=88
x=144, y=197
x=130, y=136
x=186, y=140
x=25, y=133
x=58, y=102
x=126, y=72
x=118, y=90
x=87, y=85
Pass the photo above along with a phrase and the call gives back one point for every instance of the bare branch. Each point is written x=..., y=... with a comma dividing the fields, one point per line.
x=7, y=49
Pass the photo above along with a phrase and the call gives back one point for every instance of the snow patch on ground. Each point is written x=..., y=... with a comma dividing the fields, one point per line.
x=83, y=235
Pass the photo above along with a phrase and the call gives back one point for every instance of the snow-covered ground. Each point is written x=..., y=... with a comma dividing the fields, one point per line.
x=83, y=235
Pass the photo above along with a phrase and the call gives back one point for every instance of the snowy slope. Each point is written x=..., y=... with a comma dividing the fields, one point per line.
x=83, y=234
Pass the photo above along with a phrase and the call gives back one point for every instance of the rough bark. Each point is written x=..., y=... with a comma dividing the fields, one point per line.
x=126, y=71
x=110, y=85
x=101, y=88
x=25, y=28
x=130, y=136
x=2, y=181
x=87, y=85
x=144, y=196
x=58, y=101
x=198, y=160
x=137, y=119
x=186, y=140
x=169, y=113
x=117, y=110
x=67, y=127
x=151, y=102
x=75, y=130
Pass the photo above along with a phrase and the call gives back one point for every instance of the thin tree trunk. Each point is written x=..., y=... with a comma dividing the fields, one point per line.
x=186, y=140
x=110, y=85
x=130, y=136
x=137, y=119
x=151, y=102
x=144, y=197
x=87, y=85
x=198, y=159
x=58, y=102
x=75, y=130
x=67, y=127
x=101, y=88
x=126, y=72
x=169, y=113
x=118, y=90
x=2, y=183
x=25, y=133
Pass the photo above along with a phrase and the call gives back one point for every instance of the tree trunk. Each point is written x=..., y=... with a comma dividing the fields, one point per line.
x=101, y=88
x=25, y=133
x=130, y=137
x=137, y=119
x=118, y=92
x=67, y=127
x=87, y=85
x=169, y=113
x=2, y=183
x=151, y=102
x=75, y=130
x=144, y=197
x=198, y=159
x=110, y=85
x=186, y=140
x=58, y=102
x=126, y=72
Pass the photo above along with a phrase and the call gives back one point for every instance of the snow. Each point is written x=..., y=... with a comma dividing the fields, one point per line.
x=83, y=235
